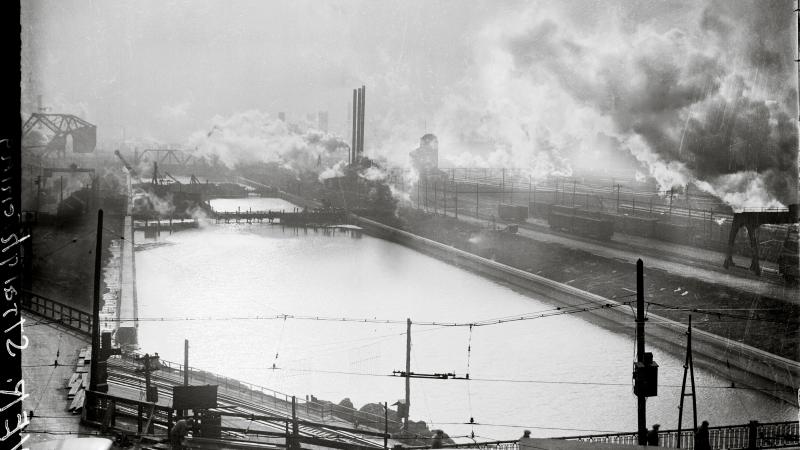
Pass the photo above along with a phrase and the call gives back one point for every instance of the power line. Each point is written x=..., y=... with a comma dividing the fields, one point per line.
x=716, y=312
x=559, y=311
x=526, y=426
x=510, y=380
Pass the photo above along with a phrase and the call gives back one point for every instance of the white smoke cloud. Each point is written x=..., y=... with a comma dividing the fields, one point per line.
x=337, y=170
x=253, y=136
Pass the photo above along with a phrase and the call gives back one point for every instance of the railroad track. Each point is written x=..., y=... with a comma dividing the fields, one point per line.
x=124, y=379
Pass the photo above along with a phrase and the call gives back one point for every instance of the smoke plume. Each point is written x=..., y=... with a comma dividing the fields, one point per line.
x=254, y=136
x=712, y=104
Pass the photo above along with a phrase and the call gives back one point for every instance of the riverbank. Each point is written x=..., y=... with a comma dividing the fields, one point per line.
x=726, y=340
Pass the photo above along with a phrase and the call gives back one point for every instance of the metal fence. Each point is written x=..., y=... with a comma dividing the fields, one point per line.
x=753, y=435
x=58, y=312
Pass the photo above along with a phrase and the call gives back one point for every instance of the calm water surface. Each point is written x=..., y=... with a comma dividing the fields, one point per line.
x=231, y=271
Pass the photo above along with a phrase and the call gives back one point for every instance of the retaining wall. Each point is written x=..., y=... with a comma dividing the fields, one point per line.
x=745, y=365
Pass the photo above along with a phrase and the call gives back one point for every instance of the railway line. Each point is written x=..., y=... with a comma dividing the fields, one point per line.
x=239, y=411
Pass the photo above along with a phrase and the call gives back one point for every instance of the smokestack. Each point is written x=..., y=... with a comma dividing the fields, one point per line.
x=361, y=129
x=355, y=127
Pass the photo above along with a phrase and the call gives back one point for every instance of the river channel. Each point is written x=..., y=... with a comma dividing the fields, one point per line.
x=558, y=375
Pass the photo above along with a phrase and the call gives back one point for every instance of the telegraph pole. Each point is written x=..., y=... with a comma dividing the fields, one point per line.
x=408, y=372
x=185, y=369
x=456, y=186
x=93, y=379
x=688, y=366
x=477, y=199
x=641, y=400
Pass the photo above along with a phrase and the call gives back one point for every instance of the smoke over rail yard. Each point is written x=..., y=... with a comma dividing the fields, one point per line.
x=422, y=224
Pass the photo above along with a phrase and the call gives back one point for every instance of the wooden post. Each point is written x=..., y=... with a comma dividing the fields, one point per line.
x=408, y=373
x=185, y=369
x=386, y=420
x=688, y=366
x=98, y=251
x=641, y=399
x=295, y=426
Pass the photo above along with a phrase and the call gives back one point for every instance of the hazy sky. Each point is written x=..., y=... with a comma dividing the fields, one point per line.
x=685, y=91
x=164, y=68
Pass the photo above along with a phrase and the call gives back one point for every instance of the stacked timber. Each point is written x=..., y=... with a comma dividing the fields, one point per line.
x=78, y=383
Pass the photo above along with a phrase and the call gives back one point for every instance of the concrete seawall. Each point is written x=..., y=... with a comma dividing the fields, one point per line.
x=745, y=365
x=128, y=308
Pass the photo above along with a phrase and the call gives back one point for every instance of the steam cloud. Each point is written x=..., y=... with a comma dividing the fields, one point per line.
x=710, y=102
x=713, y=106
x=254, y=136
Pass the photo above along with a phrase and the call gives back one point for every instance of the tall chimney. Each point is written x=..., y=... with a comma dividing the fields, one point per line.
x=362, y=107
x=355, y=127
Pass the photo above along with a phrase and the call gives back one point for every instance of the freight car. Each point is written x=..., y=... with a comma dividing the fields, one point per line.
x=601, y=229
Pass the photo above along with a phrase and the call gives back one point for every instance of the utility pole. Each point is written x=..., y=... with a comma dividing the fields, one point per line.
x=185, y=369
x=456, y=206
x=61, y=198
x=444, y=196
x=93, y=379
x=435, y=200
x=418, y=189
x=38, y=193
x=641, y=400
x=408, y=372
x=573, y=193
x=295, y=426
x=426, y=195
x=503, y=189
x=645, y=370
x=618, y=186
x=530, y=179
x=688, y=366
x=385, y=425
x=477, y=200
x=670, y=201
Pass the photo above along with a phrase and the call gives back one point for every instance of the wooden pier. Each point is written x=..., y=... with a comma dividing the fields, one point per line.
x=293, y=218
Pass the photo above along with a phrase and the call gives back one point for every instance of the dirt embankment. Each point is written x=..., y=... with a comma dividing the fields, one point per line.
x=762, y=322
x=62, y=266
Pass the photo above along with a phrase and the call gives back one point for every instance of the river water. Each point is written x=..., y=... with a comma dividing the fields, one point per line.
x=557, y=376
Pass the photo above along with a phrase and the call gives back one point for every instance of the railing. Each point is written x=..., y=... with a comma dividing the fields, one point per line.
x=490, y=445
x=104, y=409
x=753, y=435
x=58, y=312
x=267, y=396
